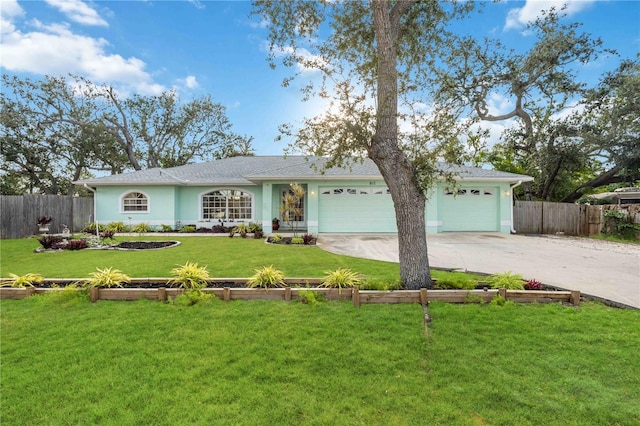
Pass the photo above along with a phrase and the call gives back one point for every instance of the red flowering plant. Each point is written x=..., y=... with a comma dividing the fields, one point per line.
x=533, y=285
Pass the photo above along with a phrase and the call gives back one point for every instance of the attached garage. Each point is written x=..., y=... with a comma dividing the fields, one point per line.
x=355, y=209
x=470, y=209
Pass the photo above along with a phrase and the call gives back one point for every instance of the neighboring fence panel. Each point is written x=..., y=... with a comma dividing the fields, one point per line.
x=542, y=217
x=20, y=213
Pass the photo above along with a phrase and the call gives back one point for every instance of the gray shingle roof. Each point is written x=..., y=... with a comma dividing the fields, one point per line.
x=249, y=170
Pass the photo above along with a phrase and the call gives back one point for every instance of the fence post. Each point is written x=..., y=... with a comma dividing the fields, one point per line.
x=162, y=294
x=355, y=296
x=94, y=294
x=503, y=293
x=575, y=297
x=423, y=296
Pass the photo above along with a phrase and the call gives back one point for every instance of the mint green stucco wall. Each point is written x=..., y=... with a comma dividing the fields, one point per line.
x=162, y=207
x=368, y=213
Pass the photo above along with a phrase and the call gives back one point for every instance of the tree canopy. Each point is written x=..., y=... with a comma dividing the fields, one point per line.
x=57, y=130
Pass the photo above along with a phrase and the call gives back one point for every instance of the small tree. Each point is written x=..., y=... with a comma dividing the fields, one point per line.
x=292, y=207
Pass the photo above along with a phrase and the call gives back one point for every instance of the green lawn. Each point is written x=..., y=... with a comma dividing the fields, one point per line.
x=282, y=363
x=224, y=257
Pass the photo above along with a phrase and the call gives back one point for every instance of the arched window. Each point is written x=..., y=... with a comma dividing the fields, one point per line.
x=135, y=202
x=227, y=204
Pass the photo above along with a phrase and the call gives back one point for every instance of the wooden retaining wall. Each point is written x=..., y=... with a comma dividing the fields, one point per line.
x=20, y=213
x=357, y=296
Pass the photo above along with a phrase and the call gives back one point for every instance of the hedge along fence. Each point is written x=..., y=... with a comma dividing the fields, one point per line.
x=357, y=296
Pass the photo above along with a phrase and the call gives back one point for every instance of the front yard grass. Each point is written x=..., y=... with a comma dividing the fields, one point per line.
x=278, y=363
x=224, y=257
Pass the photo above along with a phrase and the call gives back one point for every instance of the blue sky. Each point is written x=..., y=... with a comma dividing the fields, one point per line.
x=213, y=47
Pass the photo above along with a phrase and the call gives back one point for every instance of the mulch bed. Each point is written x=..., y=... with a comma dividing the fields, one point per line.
x=144, y=245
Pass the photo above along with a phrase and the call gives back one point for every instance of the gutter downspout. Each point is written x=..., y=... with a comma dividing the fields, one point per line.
x=513, y=230
x=95, y=210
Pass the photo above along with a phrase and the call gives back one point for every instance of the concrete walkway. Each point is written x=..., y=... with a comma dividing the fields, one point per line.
x=598, y=268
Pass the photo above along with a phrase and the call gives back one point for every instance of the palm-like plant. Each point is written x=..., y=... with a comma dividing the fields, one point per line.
x=190, y=276
x=108, y=277
x=22, y=281
x=340, y=278
x=267, y=276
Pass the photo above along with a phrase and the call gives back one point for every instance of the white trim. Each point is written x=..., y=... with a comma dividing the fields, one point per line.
x=121, y=202
x=223, y=188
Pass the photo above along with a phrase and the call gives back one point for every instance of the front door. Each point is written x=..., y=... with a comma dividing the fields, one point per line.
x=292, y=217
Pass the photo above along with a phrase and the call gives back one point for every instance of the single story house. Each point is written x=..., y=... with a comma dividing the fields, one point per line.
x=249, y=189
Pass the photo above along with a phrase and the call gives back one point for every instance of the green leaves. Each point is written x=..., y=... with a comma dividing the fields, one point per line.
x=190, y=276
x=267, y=276
x=26, y=280
x=107, y=277
x=341, y=278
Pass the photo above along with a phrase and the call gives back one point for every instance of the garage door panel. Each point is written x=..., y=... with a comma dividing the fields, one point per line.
x=471, y=209
x=343, y=209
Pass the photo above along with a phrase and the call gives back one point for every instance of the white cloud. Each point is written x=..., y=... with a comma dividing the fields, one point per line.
x=10, y=10
x=55, y=50
x=191, y=82
x=532, y=9
x=78, y=12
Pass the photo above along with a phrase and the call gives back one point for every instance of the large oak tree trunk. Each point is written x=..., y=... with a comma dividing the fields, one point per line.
x=395, y=167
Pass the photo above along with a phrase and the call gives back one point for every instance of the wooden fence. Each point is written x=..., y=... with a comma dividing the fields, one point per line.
x=358, y=297
x=542, y=217
x=20, y=213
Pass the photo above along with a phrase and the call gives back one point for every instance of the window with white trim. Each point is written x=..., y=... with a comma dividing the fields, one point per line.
x=135, y=202
x=227, y=204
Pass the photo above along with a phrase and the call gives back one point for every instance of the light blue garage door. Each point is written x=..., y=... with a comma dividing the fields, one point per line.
x=355, y=209
x=471, y=209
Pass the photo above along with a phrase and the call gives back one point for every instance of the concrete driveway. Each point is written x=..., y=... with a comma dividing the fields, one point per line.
x=599, y=268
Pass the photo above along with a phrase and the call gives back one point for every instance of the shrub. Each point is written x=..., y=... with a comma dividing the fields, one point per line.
x=455, y=282
x=108, y=234
x=243, y=229
x=620, y=224
x=188, y=229
x=219, y=229
x=67, y=294
x=76, y=245
x=267, y=276
x=258, y=234
x=308, y=239
x=107, y=277
x=117, y=226
x=44, y=220
x=310, y=297
x=275, y=239
x=22, y=281
x=190, y=276
x=380, y=285
x=506, y=280
x=255, y=227
x=90, y=228
x=297, y=240
x=341, y=277
x=49, y=241
x=191, y=297
x=166, y=228
x=141, y=228
x=533, y=285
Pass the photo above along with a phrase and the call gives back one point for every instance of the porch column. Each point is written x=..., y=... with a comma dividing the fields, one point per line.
x=312, y=208
x=267, y=207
